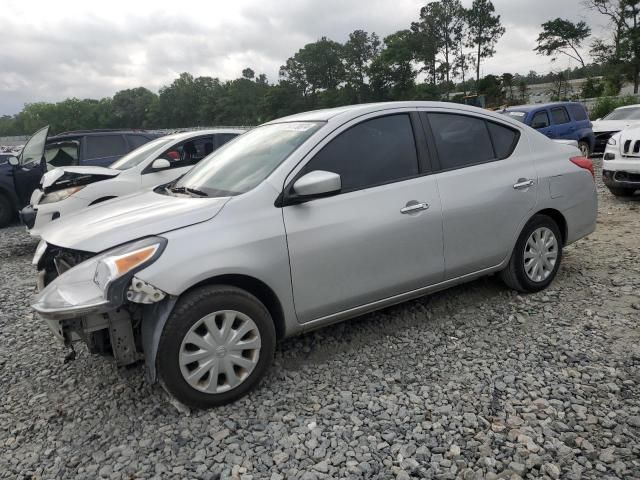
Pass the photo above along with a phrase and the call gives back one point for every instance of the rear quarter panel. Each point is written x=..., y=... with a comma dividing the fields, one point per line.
x=564, y=186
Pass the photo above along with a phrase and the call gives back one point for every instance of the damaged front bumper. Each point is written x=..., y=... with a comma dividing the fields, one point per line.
x=97, y=303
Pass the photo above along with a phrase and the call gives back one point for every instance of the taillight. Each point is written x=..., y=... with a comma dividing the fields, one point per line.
x=584, y=162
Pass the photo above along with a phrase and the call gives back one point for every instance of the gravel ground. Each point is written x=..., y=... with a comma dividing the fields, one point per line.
x=475, y=382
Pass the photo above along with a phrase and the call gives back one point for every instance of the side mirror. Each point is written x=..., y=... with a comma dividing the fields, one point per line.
x=160, y=164
x=597, y=119
x=317, y=184
x=14, y=161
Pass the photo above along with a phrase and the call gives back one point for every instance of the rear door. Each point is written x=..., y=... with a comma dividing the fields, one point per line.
x=561, y=123
x=487, y=182
x=27, y=175
x=103, y=150
x=363, y=245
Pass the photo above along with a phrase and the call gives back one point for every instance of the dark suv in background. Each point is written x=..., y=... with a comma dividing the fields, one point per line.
x=21, y=175
x=558, y=120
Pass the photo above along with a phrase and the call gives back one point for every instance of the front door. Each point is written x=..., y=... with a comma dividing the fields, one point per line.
x=27, y=175
x=380, y=237
x=488, y=188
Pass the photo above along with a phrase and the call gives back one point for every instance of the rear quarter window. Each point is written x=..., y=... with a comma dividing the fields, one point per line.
x=504, y=139
x=578, y=113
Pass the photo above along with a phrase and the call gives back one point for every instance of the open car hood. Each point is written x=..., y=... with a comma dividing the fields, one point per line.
x=66, y=177
x=128, y=218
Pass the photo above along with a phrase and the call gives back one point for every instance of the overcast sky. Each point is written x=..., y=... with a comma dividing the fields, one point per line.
x=65, y=48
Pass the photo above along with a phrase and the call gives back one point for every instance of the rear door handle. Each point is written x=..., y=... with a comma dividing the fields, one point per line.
x=414, y=207
x=523, y=183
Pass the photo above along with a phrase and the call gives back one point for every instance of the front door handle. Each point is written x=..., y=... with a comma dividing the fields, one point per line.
x=523, y=183
x=414, y=207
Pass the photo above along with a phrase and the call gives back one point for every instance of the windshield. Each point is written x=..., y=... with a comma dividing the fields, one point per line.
x=246, y=161
x=516, y=115
x=140, y=154
x=624, y=114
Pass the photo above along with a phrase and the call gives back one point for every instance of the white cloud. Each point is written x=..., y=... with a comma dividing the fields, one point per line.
x=54, y=50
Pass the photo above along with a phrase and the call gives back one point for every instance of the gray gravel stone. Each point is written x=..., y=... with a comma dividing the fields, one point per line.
x=474, y=382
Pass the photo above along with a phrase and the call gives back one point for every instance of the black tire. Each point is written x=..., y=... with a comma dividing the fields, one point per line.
x=192, y=307
x=7, y=212
x=621, y=191
x=514, y=275
x=584, y=148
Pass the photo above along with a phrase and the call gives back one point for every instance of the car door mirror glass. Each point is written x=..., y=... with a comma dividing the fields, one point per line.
x=160, y=164
x=317, y=183
x=14, y=161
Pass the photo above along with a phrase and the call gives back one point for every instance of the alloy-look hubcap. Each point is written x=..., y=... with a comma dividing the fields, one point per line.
x=220, y=351
x=540, y=254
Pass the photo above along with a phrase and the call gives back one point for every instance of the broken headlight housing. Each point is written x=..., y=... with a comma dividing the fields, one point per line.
x=60, y=195
x=97, y=285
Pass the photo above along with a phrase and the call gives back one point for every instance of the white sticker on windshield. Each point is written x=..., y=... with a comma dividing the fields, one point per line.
x=298, y=127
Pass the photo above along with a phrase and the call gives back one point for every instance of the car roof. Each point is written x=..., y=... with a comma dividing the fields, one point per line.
x=353, y=111
x=535, y=106
x=197, y=133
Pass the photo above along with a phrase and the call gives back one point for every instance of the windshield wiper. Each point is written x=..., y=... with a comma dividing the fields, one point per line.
x=188, y=190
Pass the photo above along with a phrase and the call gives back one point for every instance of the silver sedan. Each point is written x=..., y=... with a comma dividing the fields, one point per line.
x=305, y=221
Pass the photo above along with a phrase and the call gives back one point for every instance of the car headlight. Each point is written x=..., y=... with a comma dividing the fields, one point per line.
x=59, y=195
x=612, y=141
x=98, y=284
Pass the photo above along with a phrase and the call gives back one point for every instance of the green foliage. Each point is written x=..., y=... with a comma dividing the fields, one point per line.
x=606, y=105
x=564, y=37
x=485, y=29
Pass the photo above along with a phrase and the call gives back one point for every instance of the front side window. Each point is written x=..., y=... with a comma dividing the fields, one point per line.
x=244, y=163
x=374, y=152
x=140, y=154
x=100, y=146
x=560, y=115
x=460, y=140
x=540, y=120
x=189, y=152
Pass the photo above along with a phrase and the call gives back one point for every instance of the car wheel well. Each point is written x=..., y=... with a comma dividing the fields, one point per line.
x=102, y=199
x=557, y=217
x=256, y=288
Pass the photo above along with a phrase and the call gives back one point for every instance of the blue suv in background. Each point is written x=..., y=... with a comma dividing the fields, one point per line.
x=20, y=176
x=558, y=120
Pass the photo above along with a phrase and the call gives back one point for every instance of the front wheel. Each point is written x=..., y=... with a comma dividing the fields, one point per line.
x=217, y=344
x=536, y=257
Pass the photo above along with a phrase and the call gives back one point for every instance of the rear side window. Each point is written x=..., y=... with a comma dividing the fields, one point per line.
x=460, y=140
x=100, y=146
x=560, y=115
x=578, y=112
x=377, y=151
x=136, y=141
x=504, y=139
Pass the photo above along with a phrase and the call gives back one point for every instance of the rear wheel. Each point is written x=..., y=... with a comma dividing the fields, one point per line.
x=217, y=344
x=584, y=148
x=621, y=191
x=536, y=257
x=6, y=211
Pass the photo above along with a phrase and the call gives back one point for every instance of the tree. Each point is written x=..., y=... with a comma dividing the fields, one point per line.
x=131, y=107
x=622, y=56
x=358, y=53
x=392, y=72
x=316, y=66
x=564, y=37
x=248, y=74
x=485, y=30
x=507, y=83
